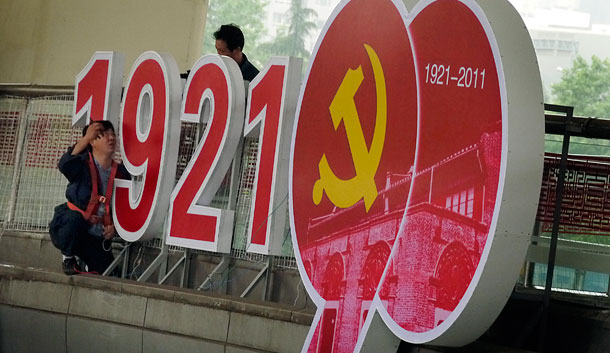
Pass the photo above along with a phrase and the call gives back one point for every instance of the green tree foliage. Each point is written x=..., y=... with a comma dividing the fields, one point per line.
x=586, y=87
x=247, y=14
x=291, y=39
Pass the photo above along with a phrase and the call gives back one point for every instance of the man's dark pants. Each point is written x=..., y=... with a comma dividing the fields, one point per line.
x=69, y=233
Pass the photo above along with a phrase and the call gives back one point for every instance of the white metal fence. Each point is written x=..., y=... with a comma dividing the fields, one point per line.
x=11, y=112
x=35, y=132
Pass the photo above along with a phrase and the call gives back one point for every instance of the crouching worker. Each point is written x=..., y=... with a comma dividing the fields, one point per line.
x=82, y=228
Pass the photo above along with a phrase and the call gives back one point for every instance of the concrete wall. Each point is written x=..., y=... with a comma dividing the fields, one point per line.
x=36, y=250
x=46, y=311
x=48, y=42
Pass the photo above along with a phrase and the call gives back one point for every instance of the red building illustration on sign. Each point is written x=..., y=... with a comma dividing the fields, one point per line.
x=450, y=221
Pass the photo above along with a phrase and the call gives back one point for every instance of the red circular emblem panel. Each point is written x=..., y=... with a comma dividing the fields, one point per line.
x=398, y=171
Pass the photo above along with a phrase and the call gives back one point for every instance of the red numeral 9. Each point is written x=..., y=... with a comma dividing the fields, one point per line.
x=215, y=85
x=149, y=146
x=270, y=116
x=97, y=91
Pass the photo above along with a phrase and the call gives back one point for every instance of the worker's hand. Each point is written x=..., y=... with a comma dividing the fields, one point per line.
x=109, y=232
x=94, y=131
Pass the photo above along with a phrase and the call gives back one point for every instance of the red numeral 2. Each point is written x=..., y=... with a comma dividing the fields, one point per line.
x=214, y=93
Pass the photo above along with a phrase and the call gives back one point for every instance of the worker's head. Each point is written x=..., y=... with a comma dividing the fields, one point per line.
x=230, y=42
x=106, y=139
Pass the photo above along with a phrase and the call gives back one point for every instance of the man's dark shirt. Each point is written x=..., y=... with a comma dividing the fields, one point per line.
x=248, y=71
x=76, y=170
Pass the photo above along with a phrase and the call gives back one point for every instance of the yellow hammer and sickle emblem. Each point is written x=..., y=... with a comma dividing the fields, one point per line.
x=345, y=193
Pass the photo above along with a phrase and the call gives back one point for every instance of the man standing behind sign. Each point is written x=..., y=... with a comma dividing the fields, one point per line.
x=83, y=227
x=230, y=42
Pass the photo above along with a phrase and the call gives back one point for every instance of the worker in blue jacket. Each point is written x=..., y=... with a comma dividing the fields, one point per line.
x=82, y=228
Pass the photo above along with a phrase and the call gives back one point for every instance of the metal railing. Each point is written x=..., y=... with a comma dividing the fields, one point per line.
x=35, y=132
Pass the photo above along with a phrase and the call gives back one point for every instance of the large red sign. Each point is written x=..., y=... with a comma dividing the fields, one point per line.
x=399, y=163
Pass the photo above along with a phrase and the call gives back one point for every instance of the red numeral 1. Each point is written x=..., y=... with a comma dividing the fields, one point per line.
x=149, y=146
x=215, y=85
x=97, y=94
x=270, y=116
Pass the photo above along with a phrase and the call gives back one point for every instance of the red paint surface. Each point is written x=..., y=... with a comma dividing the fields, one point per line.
x=189, y=225
x=137, y=152
x=93, y=87
x=266, y=95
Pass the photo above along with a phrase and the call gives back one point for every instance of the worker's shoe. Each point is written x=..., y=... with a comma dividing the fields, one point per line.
x=70, y=266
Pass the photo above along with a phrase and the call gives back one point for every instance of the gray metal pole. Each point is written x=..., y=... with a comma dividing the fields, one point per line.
x=556, y=220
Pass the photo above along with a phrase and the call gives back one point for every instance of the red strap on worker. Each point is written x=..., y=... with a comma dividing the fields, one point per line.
x=73, y=207
x=90, y=214
x=106, y=201
x=95, y=197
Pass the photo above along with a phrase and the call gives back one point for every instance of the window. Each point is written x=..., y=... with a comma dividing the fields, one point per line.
x=461, y=202
x=569, y=46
